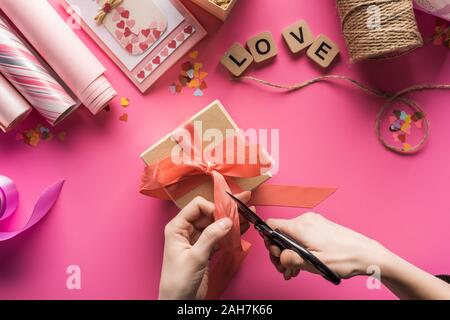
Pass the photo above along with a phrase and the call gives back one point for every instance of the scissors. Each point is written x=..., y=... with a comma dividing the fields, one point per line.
x=283, y=241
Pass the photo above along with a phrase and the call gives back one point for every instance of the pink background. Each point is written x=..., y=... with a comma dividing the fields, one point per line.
x=115, y=235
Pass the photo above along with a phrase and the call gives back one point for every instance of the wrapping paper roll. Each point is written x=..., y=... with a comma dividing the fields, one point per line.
x=30, y=77
x=13, y=107
x=62, y=50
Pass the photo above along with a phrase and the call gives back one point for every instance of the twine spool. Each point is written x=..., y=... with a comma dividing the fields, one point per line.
x=378, y=29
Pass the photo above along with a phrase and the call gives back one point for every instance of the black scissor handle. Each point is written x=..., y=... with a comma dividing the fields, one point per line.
x=285, y=242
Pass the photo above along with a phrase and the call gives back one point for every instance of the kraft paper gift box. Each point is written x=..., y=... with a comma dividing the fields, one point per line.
x=213, y=116
x=220, y=12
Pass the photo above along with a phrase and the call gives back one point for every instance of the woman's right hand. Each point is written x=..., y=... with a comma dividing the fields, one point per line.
x=346, y=252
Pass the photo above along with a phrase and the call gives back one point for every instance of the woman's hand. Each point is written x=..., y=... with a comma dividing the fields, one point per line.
x=190, y=239
x=346, y=252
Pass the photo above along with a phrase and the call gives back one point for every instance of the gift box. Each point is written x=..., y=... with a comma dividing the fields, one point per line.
x=213, y=116
x=219, y=8
x=209, y=156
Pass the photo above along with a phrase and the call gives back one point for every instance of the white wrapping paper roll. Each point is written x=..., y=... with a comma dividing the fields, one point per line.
x=13, y=107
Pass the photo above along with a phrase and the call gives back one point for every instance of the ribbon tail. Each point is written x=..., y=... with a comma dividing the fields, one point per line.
x=224, y=270
x=290, y=196
x=41, y=208
x=233, y=248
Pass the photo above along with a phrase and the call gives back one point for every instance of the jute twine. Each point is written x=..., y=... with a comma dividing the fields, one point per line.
x=378, y=29
x=399, y=97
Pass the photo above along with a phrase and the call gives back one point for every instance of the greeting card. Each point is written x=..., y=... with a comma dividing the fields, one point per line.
x=143, y=37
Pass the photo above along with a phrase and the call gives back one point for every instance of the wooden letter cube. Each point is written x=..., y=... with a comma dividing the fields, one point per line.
x=323, y=51
x=298, y=36
x=262, y=47
x=236, y=59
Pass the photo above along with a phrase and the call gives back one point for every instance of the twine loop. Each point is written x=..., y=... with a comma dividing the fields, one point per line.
x=390, y=99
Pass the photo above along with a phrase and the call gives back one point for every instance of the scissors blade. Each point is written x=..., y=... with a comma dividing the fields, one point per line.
x=247, y=212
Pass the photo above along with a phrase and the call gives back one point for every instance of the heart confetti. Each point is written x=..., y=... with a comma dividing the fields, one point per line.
x=191, y=76
x=33, y=137
x=124, y=117
x=400, y=124
x=124, y=102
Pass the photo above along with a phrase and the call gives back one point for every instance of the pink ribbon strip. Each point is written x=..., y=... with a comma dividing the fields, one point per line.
x=9, y=201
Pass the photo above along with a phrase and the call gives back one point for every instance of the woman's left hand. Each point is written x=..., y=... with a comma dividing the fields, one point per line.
x=190, y=239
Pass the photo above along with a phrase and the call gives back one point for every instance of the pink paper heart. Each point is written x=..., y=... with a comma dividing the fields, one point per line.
x=119, y=35
x=165, y=52
x=395, y=136
x=180, y=37
x=134, y=39
x=116, y=16
x=149, y=67
x=120, y=9
x=419, y=123
x=150, y=39
x=131, y=23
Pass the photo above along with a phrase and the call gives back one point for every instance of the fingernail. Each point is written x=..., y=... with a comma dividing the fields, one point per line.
x=225, y=223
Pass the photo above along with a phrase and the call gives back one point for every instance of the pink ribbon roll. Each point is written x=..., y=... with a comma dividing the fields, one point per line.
x=30, y=77
x=13, y=107
x=60, y=47
x=9, y=201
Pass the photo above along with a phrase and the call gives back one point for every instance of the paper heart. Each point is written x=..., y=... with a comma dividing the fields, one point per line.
x=419, y=123
x=188, y=29
x=143, y=46
x=119, y=34
x=180, y=37
x=124, y=102
x=149, y=67
x=127, y=32
x=141, y=75
x=203, y=75
x=120, y=9
x=194, y=54
x=156, y=60
x=116, y=16
x=134, y=39
x=121, y=24
x=129, y=48
x=150, y=39
x=156, y=33
x=145, y=32
x=198, y=66
x=172, y=44
x=198, y=93
x=165, y=52
x=124, y=117
x=131, y=23
x=125, y=14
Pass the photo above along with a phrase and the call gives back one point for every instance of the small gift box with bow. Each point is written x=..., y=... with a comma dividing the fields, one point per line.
x=213, y=117
x=219, y=8
x=209, y=156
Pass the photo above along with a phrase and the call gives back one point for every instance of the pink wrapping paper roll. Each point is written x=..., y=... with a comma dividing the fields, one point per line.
x=62, y=50
x=31, y=78
x=13, y=107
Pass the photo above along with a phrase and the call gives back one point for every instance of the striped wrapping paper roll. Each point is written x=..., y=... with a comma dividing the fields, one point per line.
x=29, y=76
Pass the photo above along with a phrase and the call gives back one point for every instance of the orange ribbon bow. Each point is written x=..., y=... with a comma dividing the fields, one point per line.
x=175, y=176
